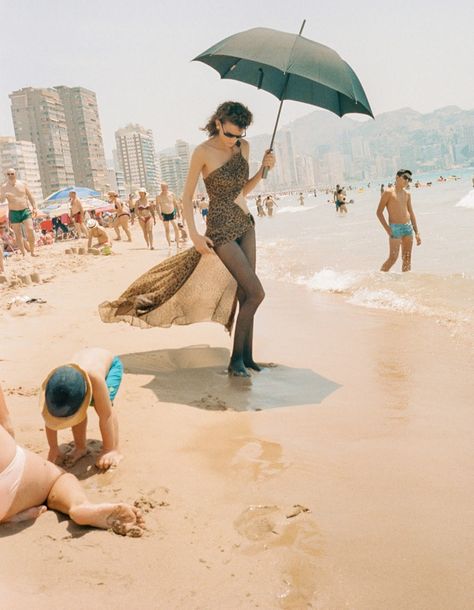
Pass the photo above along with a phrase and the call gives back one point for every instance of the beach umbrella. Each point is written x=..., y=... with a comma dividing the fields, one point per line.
x=290, y=67
x=57, y=210
x=81, y=191
x=92, y=203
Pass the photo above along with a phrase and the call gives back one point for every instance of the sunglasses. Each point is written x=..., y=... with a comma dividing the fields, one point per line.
x=10, y=174
x=407, y=178
x=227, y=134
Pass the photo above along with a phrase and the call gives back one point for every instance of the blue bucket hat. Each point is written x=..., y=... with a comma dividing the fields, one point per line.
x=65, y=396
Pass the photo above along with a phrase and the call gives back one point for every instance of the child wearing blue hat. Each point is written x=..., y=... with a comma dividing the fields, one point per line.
x=92, y=378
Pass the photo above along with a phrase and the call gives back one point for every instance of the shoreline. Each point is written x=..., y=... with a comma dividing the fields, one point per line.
x=366, y=424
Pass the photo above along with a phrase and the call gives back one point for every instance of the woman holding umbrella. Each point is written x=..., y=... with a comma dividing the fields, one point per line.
x=194, y=286
x=222, y=160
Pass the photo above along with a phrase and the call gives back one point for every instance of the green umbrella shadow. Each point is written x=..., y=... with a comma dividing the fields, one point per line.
x=196, y=376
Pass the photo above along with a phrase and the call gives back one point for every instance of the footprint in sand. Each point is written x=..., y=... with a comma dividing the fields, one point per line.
x=276, y=526
x=210, y=403
x=259, y=458
x=291, y=530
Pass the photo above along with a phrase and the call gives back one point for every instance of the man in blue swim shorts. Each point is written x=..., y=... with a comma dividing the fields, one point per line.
x=91, y=378
x=401, y=223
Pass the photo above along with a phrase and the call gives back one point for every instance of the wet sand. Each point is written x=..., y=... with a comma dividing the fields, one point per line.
x=339, y=479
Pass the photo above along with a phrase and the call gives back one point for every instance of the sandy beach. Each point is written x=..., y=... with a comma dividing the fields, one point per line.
x=342, y=478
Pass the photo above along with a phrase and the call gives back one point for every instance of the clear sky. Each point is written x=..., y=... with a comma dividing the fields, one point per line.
x=135, y=54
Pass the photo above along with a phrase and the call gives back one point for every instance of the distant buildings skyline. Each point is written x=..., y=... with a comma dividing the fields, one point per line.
x=136, y=158
x=61, y=127
x=85, y=136
x=38, y=117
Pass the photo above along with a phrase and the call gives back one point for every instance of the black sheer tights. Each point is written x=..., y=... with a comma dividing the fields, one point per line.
x=239, y=258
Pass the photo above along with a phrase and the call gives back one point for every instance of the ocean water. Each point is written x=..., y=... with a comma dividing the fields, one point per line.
x=312, y=246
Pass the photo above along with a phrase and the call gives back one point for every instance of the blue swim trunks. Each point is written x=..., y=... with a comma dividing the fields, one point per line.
x=113, y=379
x=401, y=230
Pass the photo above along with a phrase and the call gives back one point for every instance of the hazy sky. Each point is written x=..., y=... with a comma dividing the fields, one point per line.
x=135, y=54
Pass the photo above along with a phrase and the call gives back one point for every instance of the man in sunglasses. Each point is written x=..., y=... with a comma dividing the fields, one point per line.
x=401, y=221
x=19, y=200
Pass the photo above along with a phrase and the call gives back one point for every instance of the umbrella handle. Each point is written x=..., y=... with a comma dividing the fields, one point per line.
x=266, y=169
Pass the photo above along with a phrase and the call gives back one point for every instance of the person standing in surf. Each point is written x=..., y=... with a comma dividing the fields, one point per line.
x=401, y=221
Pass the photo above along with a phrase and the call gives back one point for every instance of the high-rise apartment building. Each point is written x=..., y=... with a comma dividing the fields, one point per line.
x=183, y=151
x=173, y=172
x=136, y=153
x=38, y=117
x=85, y=136
x=21, y=156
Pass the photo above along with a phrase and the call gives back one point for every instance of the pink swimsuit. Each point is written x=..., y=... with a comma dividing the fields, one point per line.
x=10, y=480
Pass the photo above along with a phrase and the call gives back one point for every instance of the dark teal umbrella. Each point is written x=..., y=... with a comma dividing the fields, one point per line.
x=290, y=67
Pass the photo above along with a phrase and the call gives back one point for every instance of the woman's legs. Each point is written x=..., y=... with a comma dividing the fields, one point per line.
x=144, y=228
x=124, y=220
x=250, y=294
x=149, y=229
x=116, y=226
x=248, y=244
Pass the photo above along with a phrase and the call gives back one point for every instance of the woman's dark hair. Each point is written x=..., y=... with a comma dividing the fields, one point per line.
x=232, y=112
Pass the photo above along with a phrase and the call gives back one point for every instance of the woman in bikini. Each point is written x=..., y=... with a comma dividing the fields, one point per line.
x=197, y=285
x=146, y=217
x=122, y=219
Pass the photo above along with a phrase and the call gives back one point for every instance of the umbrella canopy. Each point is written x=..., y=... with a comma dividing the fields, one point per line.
x=92, y=203
x=57, y=210
x=81, y=191
x=290, y=67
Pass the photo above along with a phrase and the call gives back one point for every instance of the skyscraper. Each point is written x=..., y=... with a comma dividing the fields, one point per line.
x=183, y=151
x=21, y=156
x=85, y=136
x=173, y=169
x=38, y=117
x=136, y=153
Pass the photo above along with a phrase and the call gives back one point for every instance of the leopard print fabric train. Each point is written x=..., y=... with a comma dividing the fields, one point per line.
x=188, y=287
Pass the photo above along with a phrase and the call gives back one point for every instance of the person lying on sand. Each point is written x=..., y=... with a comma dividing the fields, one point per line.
x=29, y=485
x=92, y=377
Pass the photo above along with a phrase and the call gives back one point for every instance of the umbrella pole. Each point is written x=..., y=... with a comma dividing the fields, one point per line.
x=266, y=169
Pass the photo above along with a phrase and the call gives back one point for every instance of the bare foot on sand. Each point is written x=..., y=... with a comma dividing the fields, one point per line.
x=27, y=515
x=56, y=456
x=108, y=460
x=74, y=456
x=123, y=519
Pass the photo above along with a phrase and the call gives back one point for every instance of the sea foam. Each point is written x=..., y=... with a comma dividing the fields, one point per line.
x=467, y=201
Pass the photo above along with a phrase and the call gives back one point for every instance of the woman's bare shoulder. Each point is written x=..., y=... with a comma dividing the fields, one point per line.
x=244, y=147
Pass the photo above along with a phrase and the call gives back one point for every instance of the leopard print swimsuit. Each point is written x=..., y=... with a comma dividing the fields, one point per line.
x=188, y=287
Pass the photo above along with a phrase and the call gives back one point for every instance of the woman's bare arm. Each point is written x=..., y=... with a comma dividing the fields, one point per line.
x=267, y=161
x=201, y=243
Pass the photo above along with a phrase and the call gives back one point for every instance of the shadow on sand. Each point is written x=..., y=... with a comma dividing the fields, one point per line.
x=197, y=376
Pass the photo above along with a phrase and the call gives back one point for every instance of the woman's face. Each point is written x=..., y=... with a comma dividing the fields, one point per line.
x=229, y=133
